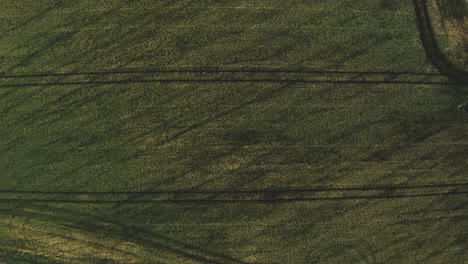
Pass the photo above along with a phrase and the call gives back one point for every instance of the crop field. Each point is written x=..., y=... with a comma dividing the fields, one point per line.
x=266, y=131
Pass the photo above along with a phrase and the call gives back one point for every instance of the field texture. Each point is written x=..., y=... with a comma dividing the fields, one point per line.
x=266, y=131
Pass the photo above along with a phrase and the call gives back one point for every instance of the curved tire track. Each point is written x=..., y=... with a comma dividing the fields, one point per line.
x=433, y=51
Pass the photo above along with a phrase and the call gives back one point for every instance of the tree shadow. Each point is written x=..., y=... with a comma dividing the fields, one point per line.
x=72, y=220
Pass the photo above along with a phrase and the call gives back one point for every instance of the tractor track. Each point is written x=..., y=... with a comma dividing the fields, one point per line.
x=237, y=196
x=433, y=51
x=222, y=76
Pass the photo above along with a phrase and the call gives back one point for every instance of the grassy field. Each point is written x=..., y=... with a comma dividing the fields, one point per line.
x=269, y=131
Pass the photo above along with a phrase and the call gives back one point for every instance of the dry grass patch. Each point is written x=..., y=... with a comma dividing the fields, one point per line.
x=60, y=243
x=450, y=23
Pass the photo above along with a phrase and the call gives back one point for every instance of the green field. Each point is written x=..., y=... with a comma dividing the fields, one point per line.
x=265, y=131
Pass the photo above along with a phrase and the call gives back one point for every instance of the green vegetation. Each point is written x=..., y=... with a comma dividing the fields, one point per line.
x=393, y=124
